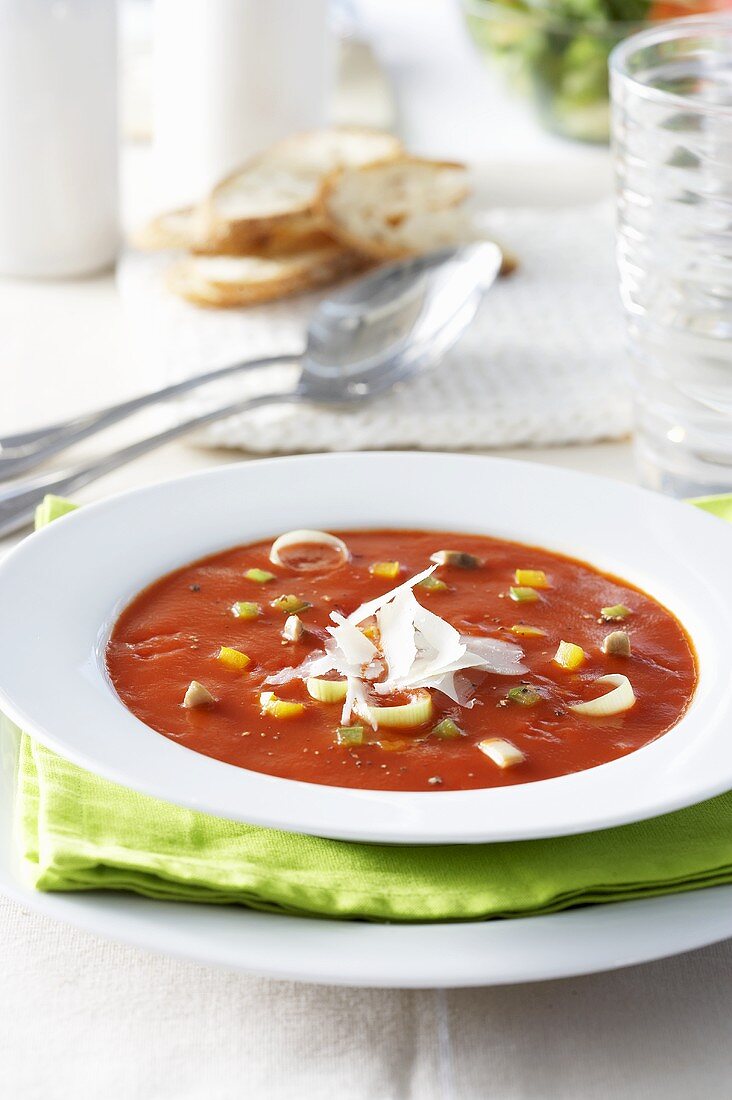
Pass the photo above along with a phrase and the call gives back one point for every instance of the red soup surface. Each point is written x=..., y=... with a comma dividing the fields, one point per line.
x=173, y=631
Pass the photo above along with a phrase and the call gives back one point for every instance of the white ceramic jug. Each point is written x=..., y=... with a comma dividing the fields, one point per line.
x=231, y=76
x=58, y=137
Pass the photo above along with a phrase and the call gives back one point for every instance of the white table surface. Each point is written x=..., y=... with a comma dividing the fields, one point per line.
x=83, y=1018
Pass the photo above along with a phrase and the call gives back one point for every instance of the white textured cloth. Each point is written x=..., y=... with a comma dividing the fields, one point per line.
x=86, y=1019
x=542, y=363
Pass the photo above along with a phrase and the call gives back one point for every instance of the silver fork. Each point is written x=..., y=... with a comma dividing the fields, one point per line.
x=366, y=339
x=28, y=450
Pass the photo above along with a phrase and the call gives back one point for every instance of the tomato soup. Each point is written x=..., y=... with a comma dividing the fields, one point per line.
x=297, y=662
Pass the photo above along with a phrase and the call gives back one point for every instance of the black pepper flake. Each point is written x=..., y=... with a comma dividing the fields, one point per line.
x=195, y=587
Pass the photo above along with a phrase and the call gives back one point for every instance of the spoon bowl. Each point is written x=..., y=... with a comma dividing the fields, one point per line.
x=362, y=341
x=387, y=326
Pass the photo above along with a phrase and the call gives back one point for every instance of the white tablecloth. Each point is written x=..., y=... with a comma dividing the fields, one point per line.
x=84, y=1019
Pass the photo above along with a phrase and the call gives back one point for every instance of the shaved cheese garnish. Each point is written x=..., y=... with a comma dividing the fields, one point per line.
x=315, y=664
x=397, y=634
x=356, y=648
x=356, y=702
x=417, y=650
x=366, y=610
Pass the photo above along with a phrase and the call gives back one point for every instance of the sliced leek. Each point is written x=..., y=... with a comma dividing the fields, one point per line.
x=233, y=658
x=197, y=696
x=388, y=569
x=244, y=609
x=279, y=708
x=501, y=752
x=569, y=656
x=305, y=537
x=259, y=576
x=326, y=691
x=417, y=712
x=534, y=578
x=619, y=699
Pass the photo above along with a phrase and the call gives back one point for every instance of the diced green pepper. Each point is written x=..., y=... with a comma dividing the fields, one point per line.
x=349, y=735
x=523, y=695
x=243, y=609
x=522, y=594
x=447, y=730
x=259, y=576
x=617, y=611
x=433, y=584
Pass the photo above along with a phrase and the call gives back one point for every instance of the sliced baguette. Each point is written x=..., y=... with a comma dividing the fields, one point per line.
x=275, y=194
x=174, y=230
x=296, y=234
x=394, y=209
x=229, y=281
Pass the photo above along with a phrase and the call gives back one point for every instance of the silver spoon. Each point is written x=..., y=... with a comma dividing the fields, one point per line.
x=374, y=333
x=26, y=451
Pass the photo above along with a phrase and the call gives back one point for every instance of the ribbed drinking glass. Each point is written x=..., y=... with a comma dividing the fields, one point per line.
x=672, y=137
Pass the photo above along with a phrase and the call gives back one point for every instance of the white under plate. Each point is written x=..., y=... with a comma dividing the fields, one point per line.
x=581, y=941
x=61, y=591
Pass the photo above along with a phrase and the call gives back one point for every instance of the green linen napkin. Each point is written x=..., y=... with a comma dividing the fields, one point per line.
x=79, y=832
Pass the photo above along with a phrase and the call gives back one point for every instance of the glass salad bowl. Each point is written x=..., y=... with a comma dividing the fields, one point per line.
x=556, y=51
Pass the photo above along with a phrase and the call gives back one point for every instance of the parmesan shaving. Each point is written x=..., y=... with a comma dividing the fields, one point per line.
x=417, y=650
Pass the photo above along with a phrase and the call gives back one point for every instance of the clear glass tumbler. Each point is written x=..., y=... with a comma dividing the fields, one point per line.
x=672, y=138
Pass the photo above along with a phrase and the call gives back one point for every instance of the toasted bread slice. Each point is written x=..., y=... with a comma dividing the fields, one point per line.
x=394, y=209
x=175, y=230
x=297, y=234
x=275, y=194
x=228, y=281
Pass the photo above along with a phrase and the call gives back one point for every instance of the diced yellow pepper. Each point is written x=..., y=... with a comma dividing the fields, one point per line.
x=290, y=605
x=525, y=631
x=569, y=655
x=279, y=708
x=233, y=658
x=535, y=578
x=387, y=569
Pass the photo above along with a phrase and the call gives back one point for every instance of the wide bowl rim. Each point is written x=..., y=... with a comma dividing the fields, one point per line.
x=685, y=765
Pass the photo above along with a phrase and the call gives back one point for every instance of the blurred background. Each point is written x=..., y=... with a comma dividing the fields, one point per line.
x=516, y=89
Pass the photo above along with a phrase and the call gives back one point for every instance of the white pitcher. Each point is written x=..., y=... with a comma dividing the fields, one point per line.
x=58, y=137
x=231, y=76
